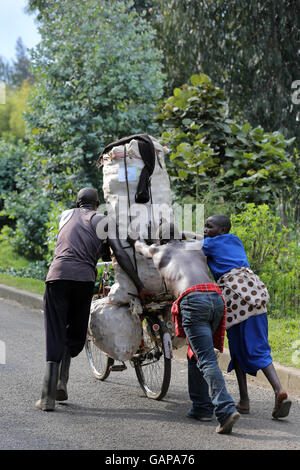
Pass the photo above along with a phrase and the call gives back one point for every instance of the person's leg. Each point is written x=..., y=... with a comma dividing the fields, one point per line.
x=63, y=376
x=47, y=400
x=272, y=378
x=77, y=320
x=202, y=408
x=55, y=308
x=198, y=313
x=78, y=316
x=243, y=406
x=282, y=403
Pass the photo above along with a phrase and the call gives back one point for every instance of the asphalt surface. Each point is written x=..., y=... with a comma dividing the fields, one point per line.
x=115, y=416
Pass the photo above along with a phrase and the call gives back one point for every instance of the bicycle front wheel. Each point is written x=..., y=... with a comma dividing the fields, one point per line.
x=153, y=362
x=99, y=361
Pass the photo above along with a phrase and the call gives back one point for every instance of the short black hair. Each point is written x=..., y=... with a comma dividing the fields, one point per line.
x=222, y=221
x=87, y=196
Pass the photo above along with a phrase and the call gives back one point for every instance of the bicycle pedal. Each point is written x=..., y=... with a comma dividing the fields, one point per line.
x=117, y=368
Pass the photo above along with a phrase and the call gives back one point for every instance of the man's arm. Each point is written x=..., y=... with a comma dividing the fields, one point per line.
x=101, y=225
x=126, y=264
x=144, y=249
x=195, y=236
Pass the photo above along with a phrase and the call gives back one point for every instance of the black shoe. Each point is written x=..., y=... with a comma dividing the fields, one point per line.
x=47, y=400
x=194, y=415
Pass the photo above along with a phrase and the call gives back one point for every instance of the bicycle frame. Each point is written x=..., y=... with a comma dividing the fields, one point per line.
x=152, y=361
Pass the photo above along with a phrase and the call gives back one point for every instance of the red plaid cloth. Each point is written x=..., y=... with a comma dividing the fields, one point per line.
x=219, y=335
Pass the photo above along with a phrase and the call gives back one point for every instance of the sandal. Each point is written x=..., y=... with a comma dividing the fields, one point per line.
x=282, y=405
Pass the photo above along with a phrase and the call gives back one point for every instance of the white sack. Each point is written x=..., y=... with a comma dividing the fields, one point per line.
x=116, y=329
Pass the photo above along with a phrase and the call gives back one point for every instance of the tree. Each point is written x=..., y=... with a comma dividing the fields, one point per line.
x=11, y=154
x=14, y=74
x=98, y=78
x=246, y=163
x=249, y=49
x=5, y=70
x=21, y=66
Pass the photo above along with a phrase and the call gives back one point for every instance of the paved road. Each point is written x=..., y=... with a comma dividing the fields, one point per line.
x=114, y=415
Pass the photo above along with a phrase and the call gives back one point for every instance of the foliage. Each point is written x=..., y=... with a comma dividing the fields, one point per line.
x=15, y=265
x=12, y=122
x=30, y=215
x=246, y=164
x=52, y=225
x=249, y=49
x=8, y=257
x=272, y=255
x=283, y=334
x=13, y=75
x=97, y=81
x=11, y=154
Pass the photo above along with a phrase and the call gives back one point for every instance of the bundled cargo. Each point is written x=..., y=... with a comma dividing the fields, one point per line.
x=132, y=172
x=137, y=192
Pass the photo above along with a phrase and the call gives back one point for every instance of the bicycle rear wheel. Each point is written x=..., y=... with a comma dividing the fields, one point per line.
x=99, y=361
x=153, y=362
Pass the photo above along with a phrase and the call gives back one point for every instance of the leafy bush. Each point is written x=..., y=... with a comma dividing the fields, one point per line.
x=28, y=236
x=52, y=225
x=245, y=164
x=272, y=255
x=12, y=153
x=35, y=270
x=16, y=265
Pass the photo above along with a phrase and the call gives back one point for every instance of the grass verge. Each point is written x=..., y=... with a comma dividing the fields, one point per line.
x=284, y=339
x=28, y=284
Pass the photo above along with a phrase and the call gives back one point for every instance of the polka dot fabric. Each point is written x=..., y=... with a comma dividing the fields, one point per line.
x=244, y=293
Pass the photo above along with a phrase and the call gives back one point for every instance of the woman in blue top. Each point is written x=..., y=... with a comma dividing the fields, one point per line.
x=248, y=334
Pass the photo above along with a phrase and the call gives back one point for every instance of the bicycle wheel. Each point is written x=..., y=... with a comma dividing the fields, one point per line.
x=153, y=362
x=99, y=362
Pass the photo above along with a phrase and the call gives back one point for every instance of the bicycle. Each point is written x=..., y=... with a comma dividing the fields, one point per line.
x=152, y=361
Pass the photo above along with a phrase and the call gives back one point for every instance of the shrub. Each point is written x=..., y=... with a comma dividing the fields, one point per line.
x=272, y=255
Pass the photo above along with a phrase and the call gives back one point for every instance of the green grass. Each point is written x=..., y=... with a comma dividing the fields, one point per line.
x=9, y=258
x=30, y=285
x=283, y=335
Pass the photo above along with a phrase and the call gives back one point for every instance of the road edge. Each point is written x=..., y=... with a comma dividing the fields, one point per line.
x=288, y=376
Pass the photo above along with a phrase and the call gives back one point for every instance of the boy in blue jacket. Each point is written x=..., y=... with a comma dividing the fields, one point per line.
x=246, y=320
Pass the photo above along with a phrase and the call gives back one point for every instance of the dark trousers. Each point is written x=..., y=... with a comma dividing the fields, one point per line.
x=66, y=309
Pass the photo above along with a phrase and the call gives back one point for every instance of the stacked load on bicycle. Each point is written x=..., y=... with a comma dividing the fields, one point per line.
x=137, y=192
